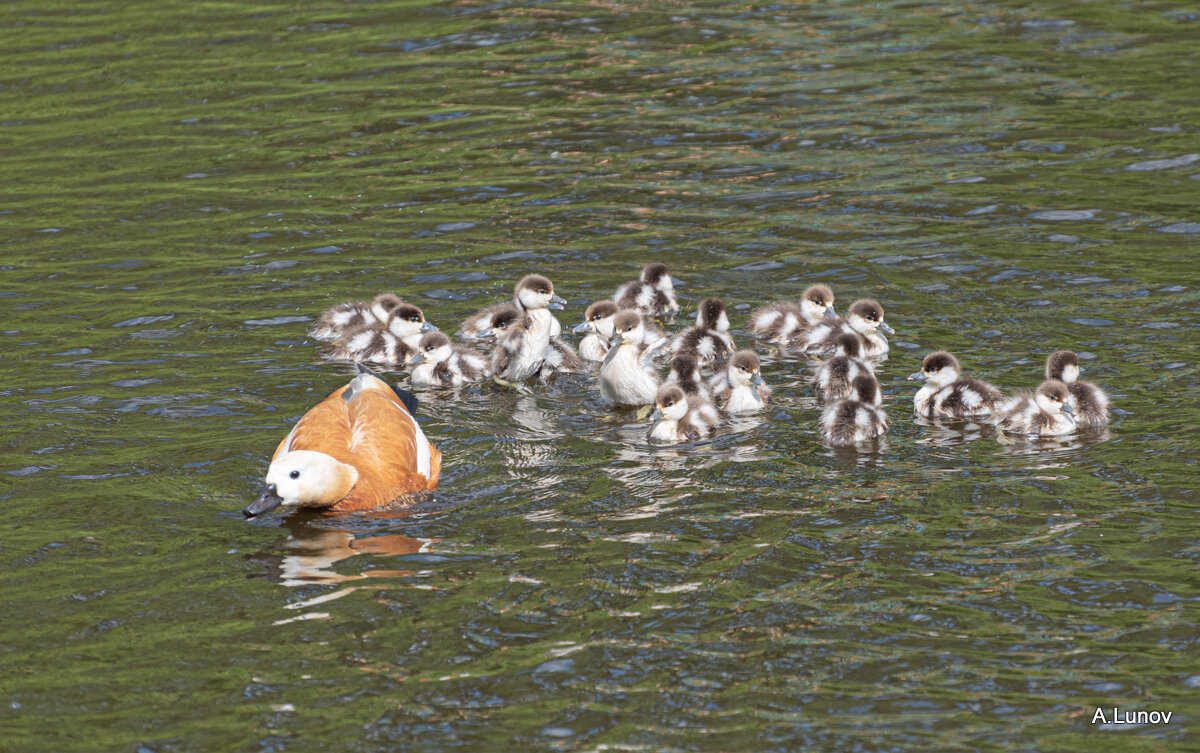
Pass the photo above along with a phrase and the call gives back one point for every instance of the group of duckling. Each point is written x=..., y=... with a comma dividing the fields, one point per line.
x=621, y=336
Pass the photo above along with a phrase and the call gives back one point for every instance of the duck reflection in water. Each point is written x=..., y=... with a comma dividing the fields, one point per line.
x=307, y=555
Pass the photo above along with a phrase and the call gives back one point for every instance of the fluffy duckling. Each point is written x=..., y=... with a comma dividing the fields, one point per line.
x=1089, y=401
x=856, y=418
x=741, y=388
x=651, y=295
x=598, y=323
x=680, y=417
x=521, y=352
x=864, y=319
x=390, y=344
x=787, y=324
x=948, y=393
x=479, y=324
x=834, y=378
x=438, y=363
x=709, y=340
x=685, y=373
x=337, y=320
x=1044, y=412
x=625, y=377
x=358, y=449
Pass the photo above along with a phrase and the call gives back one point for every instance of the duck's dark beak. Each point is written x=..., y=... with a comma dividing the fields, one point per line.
x=427, y=327
x=884, y=326
x=1066, y=408
x=582, y=327
x=830, y=313
x=919, y=375
x=266, y=502
x=557, y=302
x=756, y=379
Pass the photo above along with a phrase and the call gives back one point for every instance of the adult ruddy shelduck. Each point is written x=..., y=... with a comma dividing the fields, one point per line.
x=357, y=449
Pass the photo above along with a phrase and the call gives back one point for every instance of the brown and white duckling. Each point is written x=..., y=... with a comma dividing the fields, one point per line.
x=741, y=388
x=948, y=393
x=1089, y=401
x=389, y=344
x=709, y=340
x=856, y=418
x=337, y=320
x=651, y=295
x=625, y=376
x=1045, y=412
x=685, y=373
x=438, y=363
x=787, y=324
x=680, y=417
x=598, y=323
x=834, y=378
x=864, y=319
x=521, y=351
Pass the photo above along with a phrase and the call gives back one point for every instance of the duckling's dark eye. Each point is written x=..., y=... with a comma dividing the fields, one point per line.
x=543, y=291
x=294, y=474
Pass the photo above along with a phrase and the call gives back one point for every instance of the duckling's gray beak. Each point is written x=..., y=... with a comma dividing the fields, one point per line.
x=486, y=333
x=556, y=302
x=830, y=313
x=427, y=327
x=616, y=338
x=918, y=375
x=266, y=502
x=756, y=379
x=1066, y=407
x=884, y=326
x=656, y=415
x=418, y=359
x=581, y=327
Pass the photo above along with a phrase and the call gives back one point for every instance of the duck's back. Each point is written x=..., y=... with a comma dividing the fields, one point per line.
x=1091, y=403
x=374, y=432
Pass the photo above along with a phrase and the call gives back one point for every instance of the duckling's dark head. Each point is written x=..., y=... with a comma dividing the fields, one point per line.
x=1063, y=365
x=506, y=317
x=865, y=389
x=669, y=395
x=386, y=302
x=433, y=341
x=600, y=310
x=711, y=314
x=1054, y=390
x=868, y=309
x=407, y=312
x=938, y=360
x=655, y=272
x=746, y=361
x=627, y=321
x=819, y=295
x=849, y=345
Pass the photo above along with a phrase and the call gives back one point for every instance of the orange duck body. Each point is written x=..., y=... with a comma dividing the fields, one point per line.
x=358, y=449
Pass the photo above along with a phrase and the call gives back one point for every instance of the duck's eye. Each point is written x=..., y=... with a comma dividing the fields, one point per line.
x=294, y=474
x=543, y=291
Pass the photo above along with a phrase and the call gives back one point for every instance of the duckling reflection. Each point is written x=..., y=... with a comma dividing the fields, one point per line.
x=306, y=556
x=950, y=432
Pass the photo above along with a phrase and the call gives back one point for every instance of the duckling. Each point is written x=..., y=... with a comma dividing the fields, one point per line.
x=479, y=324
x=440, y=364
x=950, y=394
x=335, y=321
x=598, y=323
x=561, y=357
x=685, y=373
x=741, y=388
x=390, y=344
x=1089, y=401
x=856, y=418
x=1044, y=412
x=834, y=378
x=625, y=378
x=522, y=350
x=709, y=340
x=652, y=295
x=787, y=324
x=358, y=449
x=680, y=417
x=864, y=319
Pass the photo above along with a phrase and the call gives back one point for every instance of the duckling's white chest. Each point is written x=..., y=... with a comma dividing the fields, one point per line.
x=623, y=380
x=744, y=400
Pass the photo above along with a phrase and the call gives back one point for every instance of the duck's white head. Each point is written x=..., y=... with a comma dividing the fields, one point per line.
x=940, y=368
x=535, y=292
x=599, y=319
x=383, y=305
x=1063, y=365
x=1052, y=397
x=848, y=345
x=434, y=348
x=303, y=478
x=817, y=304
x=406, y=320
x=628, y=328
x=866, y=316
x=670, y=403
x=865, y=389
x=712, y=315
x=743, y=369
